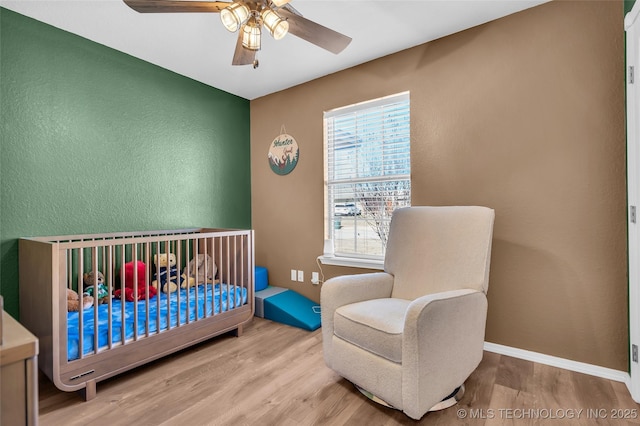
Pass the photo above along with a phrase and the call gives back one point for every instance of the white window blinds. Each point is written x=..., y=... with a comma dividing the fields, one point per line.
x=368, y=172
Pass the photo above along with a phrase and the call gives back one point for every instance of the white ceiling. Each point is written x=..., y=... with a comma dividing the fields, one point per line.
x=198, y=46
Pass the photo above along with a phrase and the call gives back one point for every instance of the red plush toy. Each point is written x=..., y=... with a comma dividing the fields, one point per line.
x=131, y=270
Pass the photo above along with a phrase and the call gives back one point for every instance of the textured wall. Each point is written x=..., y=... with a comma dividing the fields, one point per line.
x=94, y=140
x=628, y=5
x=524, y=114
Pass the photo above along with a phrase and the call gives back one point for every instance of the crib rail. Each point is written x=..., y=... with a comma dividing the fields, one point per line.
x=141, y=311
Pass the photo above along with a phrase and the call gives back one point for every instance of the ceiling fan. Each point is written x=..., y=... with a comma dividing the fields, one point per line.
x=248, y=17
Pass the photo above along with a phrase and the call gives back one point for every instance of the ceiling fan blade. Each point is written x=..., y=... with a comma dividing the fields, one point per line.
x=174, y=6
x=243, y=56
x=312, y=32
x=291, y=9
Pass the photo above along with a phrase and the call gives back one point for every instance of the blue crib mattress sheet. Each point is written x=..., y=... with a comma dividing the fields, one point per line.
x=169, y=307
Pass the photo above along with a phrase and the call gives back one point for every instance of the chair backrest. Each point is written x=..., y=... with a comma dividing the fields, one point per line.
x=434, y=249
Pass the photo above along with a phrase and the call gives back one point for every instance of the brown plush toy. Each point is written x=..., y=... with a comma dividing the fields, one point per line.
x=99, y=289
x=73, y=301
x=202, y=262
x=166, y=277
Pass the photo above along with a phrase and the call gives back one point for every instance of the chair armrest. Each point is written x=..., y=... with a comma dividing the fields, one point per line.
x=442, y=345
x=346, y=289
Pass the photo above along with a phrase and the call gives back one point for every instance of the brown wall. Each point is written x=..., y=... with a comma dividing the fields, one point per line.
x=524, y=114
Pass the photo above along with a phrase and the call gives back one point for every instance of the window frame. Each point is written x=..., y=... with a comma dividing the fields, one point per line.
x=357, y=259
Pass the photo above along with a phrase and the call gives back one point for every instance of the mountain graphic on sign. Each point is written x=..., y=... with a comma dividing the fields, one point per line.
x=283, y=154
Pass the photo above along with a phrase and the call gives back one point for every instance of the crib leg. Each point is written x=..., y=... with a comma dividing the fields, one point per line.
x=89, y=392
x=238, y=331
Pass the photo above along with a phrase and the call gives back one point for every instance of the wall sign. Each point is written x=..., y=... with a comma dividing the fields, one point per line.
x=283, y=154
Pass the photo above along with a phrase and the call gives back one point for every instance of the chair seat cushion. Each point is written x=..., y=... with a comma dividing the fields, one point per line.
x=374, y=325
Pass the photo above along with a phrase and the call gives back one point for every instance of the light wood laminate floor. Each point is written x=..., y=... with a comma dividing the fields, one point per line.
x=275, y=375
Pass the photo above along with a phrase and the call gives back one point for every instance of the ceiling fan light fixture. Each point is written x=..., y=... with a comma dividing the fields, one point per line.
x=251, y=34
x=279, y=3
x=276, y=26
x=234, y=15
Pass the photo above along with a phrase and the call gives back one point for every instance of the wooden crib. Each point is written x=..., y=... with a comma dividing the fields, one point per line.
x=78, y=349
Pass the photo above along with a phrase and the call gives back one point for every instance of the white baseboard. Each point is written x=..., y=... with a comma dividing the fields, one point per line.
x=567, y=364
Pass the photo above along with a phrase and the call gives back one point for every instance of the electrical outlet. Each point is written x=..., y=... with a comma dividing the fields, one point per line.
x=294, y=275
x=301, y=276
x=315, y=279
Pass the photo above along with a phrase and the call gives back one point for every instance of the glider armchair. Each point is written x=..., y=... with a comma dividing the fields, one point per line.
x=410, y=336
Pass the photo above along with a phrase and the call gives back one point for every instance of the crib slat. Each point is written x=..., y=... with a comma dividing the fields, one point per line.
x=122, y=296
x=225, y=303
x=110, y=286
x=178, y=250
x=245, y=267
x=166, y=287
x=207, y=289
x=69, y=283
x=80, y=305
x=190, y=247
x=136, y=295
x=230, y=289
x=94, y=266
x=204, y=287
x=146, y=290
x=195, y=291
x=211, y=243
x=196, y=250
x=223, y=272
x=158, y=287
x=231, y=280
x=236, y=274
x=240, y=286
x=217, y=259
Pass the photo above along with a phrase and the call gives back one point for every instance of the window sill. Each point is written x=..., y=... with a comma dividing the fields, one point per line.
x=352, y=262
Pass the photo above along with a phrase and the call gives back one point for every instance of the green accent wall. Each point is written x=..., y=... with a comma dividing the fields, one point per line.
x=94, y=140
x=628, y=5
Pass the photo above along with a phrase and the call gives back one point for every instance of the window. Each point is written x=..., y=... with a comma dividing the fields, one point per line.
x=368, y=173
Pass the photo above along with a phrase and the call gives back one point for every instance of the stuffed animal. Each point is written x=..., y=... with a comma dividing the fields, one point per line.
x=167, y=279
x=206, y=271
x=90, y=286
x=132, y=270
x=73, y=301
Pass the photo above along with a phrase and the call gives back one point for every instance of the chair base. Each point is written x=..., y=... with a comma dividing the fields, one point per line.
x=450, y=400
x=447, y=402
